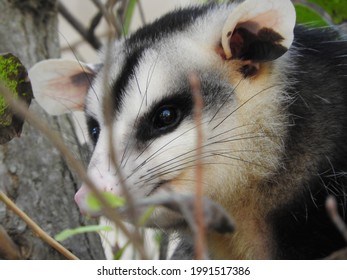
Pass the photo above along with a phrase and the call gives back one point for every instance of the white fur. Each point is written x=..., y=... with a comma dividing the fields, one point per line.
x=241, y=144
x=229, y=165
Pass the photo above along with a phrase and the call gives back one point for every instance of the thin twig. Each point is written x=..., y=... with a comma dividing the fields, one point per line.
x=106, y=11
x=331, y=206
x=200, y=243
x=142, y=13
x=112, y=20
x=72, y=46
x=8, y=249
x=108, y=115
x=36, y=229
x=94, y=23
x=89, y=37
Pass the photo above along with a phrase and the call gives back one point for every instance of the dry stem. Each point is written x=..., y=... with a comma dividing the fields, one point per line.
x=331, y=206
x=36, y=229
x=108, y=114
x=8, y=249
x=200, y=242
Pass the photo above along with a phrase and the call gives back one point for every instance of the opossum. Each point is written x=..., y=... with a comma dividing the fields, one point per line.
x=274, y=122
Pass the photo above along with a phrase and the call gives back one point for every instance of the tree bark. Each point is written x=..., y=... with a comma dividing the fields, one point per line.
x=32, y=172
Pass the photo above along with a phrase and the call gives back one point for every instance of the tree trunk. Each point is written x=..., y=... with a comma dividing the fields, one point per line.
x=32, y=172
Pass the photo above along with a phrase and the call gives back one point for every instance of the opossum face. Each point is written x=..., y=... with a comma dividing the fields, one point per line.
x=237, y=53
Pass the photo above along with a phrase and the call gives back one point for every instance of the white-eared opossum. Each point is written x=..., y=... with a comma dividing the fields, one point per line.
x=274, y=122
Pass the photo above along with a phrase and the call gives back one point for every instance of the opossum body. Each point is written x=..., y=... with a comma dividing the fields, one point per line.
x=274, y=122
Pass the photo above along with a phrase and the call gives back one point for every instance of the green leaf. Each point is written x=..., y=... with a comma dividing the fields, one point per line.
x=337, y=9
x=120, y=252
x=113, y=200
x=145, y=217
x=158, y=238
x=305, y=15
x=129, y=15
x=67, y=233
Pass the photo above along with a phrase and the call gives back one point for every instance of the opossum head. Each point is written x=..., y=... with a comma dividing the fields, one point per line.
x=239, y=53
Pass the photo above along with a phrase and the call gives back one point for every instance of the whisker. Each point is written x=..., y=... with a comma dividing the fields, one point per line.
x=79, y=62
x=161, y=148
x=235, y=137
x=145, y=181
x=156, y=153
x=131, y=133
x=183, y=162
x=243, y=104
x=212, y=153
x=150, y=75
x=230, y=139
x=225, y=101
x=229, y=130
x=149, y=78
x=207, y=145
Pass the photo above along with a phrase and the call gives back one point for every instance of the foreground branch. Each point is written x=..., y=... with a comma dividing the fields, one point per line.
x=36, y=229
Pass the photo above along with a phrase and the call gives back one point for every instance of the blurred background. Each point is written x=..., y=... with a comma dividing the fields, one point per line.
x=73, y=44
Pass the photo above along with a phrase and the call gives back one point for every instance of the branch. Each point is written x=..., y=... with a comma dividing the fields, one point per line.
x=87, y=35
x=104, y=10
x=142, y=13
x=331, y=206
x=36, y=229
x=8, y=249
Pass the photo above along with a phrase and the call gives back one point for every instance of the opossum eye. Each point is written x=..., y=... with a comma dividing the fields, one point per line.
x=95, y=133
x=94, y=129
x=166, y=117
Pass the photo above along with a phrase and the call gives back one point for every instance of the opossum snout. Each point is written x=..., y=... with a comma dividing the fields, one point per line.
x=81, y=199
x=80, y=196
x=104, y=180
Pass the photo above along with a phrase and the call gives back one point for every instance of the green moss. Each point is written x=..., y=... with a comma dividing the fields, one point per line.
x=9, y=68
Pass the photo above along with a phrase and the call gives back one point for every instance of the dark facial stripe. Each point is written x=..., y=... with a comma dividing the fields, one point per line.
x=144, y=38
x=172, y=22
x=128, y=72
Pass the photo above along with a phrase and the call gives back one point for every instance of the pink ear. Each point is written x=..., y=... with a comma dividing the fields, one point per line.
x=60, y=86
x=259, y=30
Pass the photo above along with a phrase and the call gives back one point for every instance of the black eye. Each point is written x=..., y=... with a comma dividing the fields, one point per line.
x=94, y=130
x=94, y=133
x=166, y=117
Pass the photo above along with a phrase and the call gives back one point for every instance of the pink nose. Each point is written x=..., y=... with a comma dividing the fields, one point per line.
x=80, y=195
x=81, y=200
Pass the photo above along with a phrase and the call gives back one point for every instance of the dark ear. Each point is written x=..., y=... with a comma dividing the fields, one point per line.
x=259, y=30
x=60, y=86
